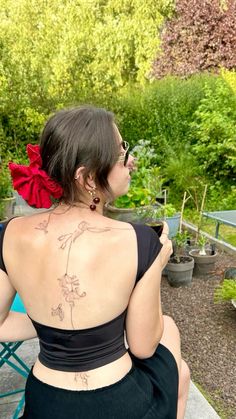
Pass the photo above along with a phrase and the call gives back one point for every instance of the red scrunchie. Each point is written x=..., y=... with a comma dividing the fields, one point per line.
x=32, y=182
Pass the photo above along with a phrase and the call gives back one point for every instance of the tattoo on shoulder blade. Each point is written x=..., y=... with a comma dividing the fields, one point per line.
x=81, y=228
x=43, y=226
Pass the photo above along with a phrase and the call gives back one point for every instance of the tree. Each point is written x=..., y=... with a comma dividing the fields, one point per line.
x=55, y=53
x=59, y=48
x=200, y=37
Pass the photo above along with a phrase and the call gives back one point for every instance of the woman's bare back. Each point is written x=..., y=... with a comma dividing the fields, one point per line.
x=73, y=272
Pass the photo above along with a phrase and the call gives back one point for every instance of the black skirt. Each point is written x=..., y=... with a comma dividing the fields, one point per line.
x=149, y=390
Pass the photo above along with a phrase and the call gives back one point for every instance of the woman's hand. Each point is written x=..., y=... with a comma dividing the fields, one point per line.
x=167, y=249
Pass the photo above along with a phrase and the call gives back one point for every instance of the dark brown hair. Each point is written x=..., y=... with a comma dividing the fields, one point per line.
x=76, y=137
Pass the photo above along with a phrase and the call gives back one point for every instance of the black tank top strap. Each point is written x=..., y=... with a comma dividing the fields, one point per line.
x=3, y=226
x=149, y=246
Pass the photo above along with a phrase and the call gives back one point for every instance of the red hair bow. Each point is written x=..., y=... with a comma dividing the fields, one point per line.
x=32, y=182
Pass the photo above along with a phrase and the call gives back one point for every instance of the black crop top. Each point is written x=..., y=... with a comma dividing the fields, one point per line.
x=86, y=349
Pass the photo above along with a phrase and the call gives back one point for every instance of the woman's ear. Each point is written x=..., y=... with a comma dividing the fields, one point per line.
x=88, y=183
x=79, y=177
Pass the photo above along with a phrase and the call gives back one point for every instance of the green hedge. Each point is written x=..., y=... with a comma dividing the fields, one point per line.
x=190, y=123
x=162, y=111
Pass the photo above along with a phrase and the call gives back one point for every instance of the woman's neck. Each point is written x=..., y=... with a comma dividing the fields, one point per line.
x=85, y=206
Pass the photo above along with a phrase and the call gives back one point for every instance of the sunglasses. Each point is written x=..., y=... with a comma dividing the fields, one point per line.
x=124, y=156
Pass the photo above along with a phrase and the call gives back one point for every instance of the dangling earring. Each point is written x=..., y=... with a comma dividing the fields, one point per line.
x=95, y=200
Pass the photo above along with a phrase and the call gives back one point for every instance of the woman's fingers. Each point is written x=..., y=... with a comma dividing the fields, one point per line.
x=167, y=249
x=165, y=232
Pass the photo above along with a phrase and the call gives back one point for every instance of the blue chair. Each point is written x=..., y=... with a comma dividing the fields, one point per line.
x=9, y=357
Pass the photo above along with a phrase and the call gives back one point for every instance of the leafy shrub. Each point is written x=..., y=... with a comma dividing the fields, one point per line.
x=21, y=126
x=230, y=78
x=58, y=53
x=183, y=173
x=146, y=180
x=161, y=111
x=221, y=196
x=199, y=37
x=6, y=187
x=214, y=132
x=226, y=291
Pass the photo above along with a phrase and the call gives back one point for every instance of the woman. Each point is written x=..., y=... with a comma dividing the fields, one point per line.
x=85, y=279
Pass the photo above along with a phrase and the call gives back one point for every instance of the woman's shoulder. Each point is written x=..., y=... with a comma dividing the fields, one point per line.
x=117, y=224
x=20, y=225
x=144, y=231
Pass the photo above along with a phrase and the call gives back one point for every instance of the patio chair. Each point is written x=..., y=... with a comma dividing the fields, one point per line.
x=8, y=356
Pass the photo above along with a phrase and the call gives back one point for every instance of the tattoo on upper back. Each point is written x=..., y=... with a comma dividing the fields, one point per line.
x=81, y=228
x=44, y=224
x=69, y=282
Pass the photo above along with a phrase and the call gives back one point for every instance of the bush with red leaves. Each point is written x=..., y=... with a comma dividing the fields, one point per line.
x=200, y=37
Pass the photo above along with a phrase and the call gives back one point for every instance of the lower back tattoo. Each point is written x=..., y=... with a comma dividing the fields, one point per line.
x=83, y=378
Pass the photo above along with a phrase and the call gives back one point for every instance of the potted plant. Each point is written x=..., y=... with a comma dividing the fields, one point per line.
x=7, y=199
x=179, y=269
x=169, y=213
x=140, y=204
x=146, y=183
x=204, y=258
x=151, y=217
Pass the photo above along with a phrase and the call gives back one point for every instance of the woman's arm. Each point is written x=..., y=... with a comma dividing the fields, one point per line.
x=14, y=326
x=144, y=322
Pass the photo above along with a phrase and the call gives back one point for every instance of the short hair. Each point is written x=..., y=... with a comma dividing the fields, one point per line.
x=76, y=137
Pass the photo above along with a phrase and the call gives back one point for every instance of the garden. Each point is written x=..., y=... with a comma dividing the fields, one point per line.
x=167, y=69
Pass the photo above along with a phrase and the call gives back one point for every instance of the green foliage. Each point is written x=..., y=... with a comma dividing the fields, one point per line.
x=6, y=187
x=167, y=210
x=2, y=211
x=214, y=132
x=201, y=242
x=180, y=242
x=161, y=112
x=229, y=77
x=221, y=196
x=61, y=52
x=226, y=291
x=155, y=212
x=134, y=198
x=146, y=180
x=22, y=126
x=58, y=53
x=73, y=48
x=184, y=175
x=180, y=239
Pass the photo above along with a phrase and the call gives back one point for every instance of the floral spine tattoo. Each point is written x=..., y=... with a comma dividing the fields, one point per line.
x=70, y=284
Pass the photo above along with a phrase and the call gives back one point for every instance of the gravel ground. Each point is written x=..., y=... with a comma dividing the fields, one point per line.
x=208, y=335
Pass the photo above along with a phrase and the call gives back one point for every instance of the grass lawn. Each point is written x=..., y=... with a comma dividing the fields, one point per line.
x=226, y=233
